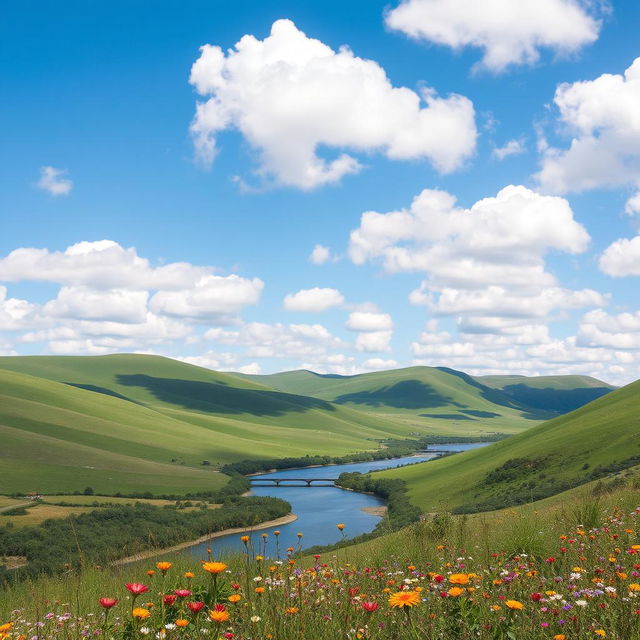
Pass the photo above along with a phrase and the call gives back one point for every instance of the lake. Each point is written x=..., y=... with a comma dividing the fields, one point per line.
x=319, y=508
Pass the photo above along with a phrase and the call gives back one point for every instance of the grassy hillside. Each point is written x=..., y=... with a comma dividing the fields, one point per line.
x=588, y=443
x=551, y=393
x=438, y=399
x=136, y=423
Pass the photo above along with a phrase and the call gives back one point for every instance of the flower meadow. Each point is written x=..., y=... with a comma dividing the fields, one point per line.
x=587, y=587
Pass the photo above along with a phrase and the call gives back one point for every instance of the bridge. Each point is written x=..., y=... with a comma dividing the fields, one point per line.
x=278, y=481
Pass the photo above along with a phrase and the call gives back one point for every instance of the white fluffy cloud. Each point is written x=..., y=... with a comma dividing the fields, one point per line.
x=313, y=300
x=262, y=340
x=15, y=314
x=602, y=116
x=103, y=264
x=118, y=305
x=621, y=258
x=510, y=32
x=53, y=181
x=320, y=254
x=498, y=238
x=511, y=148
x=601, y=329
x=217, y=298
x=369, y=321
x=289, y=94
x=373, y=341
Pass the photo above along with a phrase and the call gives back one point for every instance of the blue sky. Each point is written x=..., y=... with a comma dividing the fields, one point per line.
x=522, y=255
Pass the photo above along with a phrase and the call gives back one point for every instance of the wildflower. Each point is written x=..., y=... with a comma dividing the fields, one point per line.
x=136, y=588
x=291, y=611
x=300, y=535
x=189, y=575
x=182, y=622
x=234, y=597
x=455, y=591
x=194, y=607
x=402, y=599
x=169, y=599
x=218, y=616
x=255, y=618
x=559, y=636
x=107, y=603
x=340, y=526
x=276, y=533
x=182, y=593
x=164, y=566
x=245, y=539
x=601, y=633
x=634, y=587
x=6, y=627
x=214, y=567
x=259, y=589
x=459, y=578
x=514, y=604
x=141, y=613
x=370, y=607
x=151, y=572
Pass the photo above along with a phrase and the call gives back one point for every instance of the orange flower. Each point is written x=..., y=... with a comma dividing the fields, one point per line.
x=141, y=613
x=234, y=597
x=214, y=567
x=559, y=636
x=181, y=622
x=291, y=610
x=259, y=589
x=189, y=574
x=164, y=566
x=5, y=627
x=514, y=604
x=340, y=526
x=459, y=578
x=600, y=633
x=455, y=591
x=245, y=539
x=402, y=599
x=218, y=616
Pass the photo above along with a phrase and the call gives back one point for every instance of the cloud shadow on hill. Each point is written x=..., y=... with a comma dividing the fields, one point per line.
x=210, y=397
x=408, y=394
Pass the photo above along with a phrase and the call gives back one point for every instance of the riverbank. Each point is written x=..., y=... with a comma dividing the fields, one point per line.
x=144, y=555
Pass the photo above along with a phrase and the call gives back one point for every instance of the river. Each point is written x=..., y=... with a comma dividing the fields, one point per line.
x=320, y=508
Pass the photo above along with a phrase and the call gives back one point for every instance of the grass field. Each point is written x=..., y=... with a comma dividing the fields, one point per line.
x=144, y=423
x=598, y=438
x=448, y=401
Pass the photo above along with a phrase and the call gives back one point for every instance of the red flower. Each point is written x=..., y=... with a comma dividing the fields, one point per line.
x=169, y=599
x=353, y=591
x=107, y=603
x=235, y=586
x=550, y=560
x=438, y=578
x=136, y=588
x=536, y=597
x=219, y=607
x=182, y=593
x=194, y=607
x=228, y=636
x=370, y=606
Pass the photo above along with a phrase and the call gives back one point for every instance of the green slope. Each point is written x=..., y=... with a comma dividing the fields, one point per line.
x=599, y=438
x=75, y=416
x=438, y=400
x=552, y=393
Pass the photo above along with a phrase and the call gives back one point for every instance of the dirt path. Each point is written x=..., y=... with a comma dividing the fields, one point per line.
x=143, y=555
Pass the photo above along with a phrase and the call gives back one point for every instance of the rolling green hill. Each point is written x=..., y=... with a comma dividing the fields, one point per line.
x=442, y=400
x=551, y=393
x=591, y=442
x=72, y=422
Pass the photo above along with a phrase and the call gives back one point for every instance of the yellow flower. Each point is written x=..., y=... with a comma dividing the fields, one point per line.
x=459, y=578
x=514, y=604
x=455, y=591
x=214, y=567
x=181, y=622
x=234, y=597
x=218, y=616
x=496, y=607
x=634, y=587
x=141, y=613
x=164, y=566
x=5, y=627
x=402, y=599
x=621, y=575
x=600, y=633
